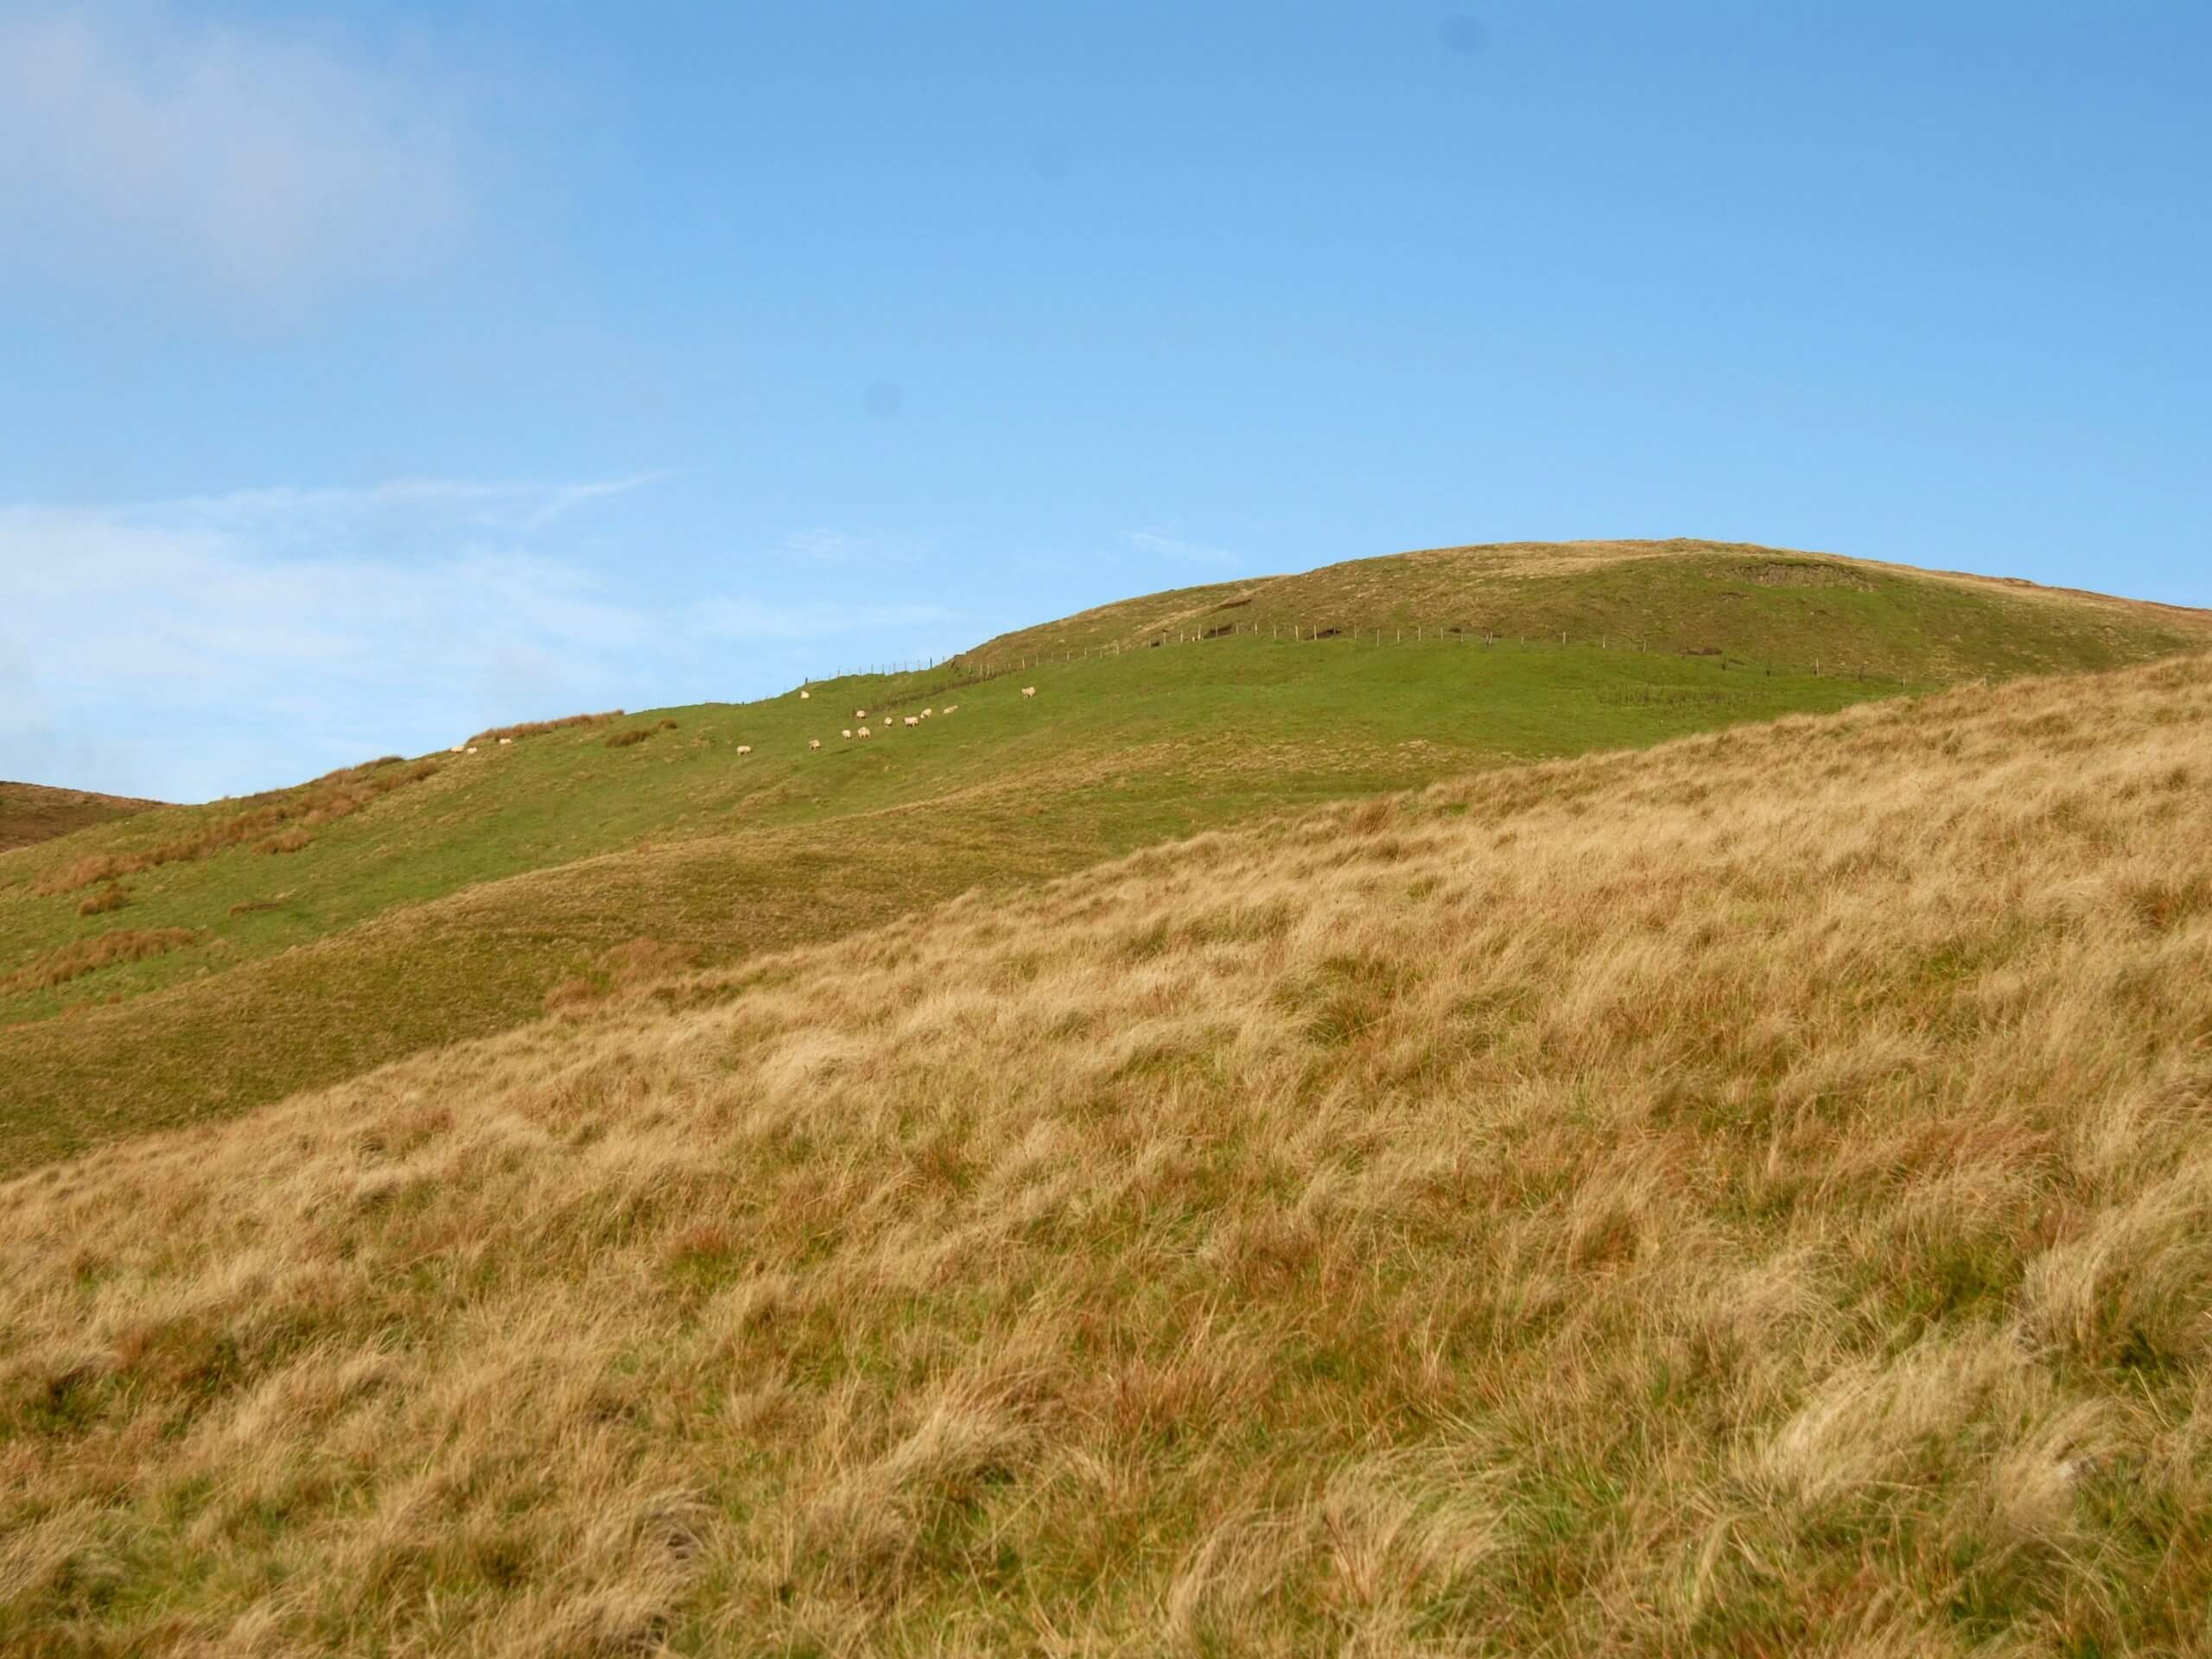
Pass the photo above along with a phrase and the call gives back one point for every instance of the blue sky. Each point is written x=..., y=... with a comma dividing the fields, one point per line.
x=372, y=373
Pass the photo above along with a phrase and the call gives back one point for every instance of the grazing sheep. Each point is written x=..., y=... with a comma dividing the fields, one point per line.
x=505, y=741
x=813, y=742
x=860, y=714
x=1028, y=690
x=952, y=708
x=848, y=732
x=459, y=747
x=804, y=695
x=472, y=748
x=910, y=720
x=926, y=713
x=863, y=732
x=744, y=748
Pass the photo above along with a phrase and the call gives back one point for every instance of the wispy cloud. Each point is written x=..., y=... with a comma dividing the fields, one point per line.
x=1175, y=547
x=822, y=545
x=258, y=162
x=216, y=644
x=509, y=506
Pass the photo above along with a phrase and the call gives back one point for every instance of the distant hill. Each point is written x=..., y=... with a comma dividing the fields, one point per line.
x=32, y=812
x=1746, y=1196
x=1760, y=605
x=197, y=962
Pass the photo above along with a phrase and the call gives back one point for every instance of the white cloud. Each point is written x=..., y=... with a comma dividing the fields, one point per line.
x=260, y=164
x=222, y=644
x=1174, y=547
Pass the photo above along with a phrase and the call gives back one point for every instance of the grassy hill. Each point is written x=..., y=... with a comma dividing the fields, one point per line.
x=33, y=812
x=1746, y=1195
x=1756, y=605
x=197, y=962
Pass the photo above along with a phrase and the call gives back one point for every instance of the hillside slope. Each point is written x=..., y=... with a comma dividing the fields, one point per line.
x=198, y=961
x=454, y=902
x=1744, y=1197
x=1760, y=605
x=30, y=813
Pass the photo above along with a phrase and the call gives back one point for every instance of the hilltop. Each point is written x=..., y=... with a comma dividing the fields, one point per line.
x=30, y=813
x=192, y=963
x=1755, y=604
x=1743, y=1196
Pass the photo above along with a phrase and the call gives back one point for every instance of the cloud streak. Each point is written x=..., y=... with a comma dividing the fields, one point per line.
x=259, y=165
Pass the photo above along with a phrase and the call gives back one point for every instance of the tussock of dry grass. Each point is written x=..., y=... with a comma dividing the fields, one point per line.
x=634, y=734
x=538, y=728
x=279, y=827
x=82, y=957
x=107, y=899
x=1747, y=1197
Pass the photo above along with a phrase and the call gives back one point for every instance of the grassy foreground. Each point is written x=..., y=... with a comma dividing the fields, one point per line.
x=1744, y=1197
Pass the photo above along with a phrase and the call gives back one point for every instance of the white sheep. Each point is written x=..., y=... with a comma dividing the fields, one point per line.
x=472, y=748
x=848, y=732
x=863, y=732
x=1028, y=690
x=860, y=714
x=505, y=741
x=952, y=708
x=926, y=713
x=744, y=748
x=910, y=720
x=459, y=747
x=804, y=695
x=813, y=742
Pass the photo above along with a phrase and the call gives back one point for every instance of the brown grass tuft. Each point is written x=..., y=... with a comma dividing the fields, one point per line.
x=537, y=727
x=112, y=898
x=83, y=956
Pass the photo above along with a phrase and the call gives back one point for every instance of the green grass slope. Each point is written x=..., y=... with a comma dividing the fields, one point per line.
x=404, y=907
x=30, y=813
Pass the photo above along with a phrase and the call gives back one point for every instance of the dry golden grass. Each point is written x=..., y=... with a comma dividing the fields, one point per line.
x=1747, y=1197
